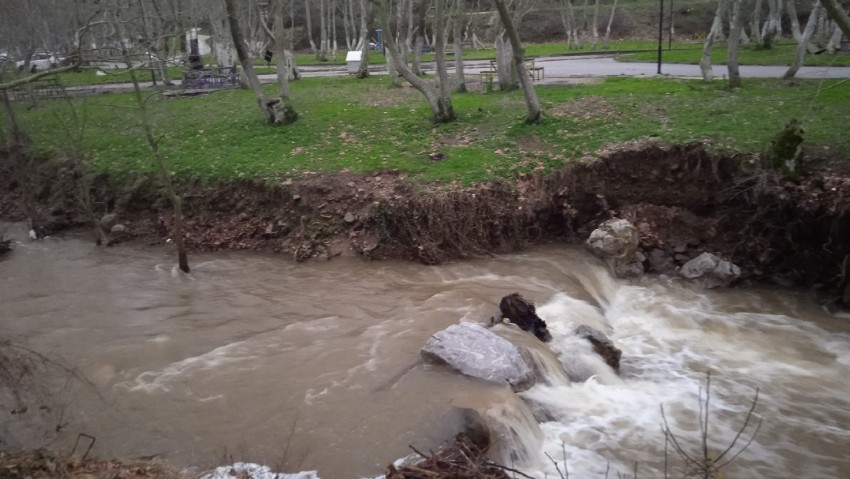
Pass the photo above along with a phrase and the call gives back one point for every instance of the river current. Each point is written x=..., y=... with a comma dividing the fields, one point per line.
x=316, y=366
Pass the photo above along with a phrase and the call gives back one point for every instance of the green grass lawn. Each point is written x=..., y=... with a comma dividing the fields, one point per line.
x=781, y=54
x=362, y=126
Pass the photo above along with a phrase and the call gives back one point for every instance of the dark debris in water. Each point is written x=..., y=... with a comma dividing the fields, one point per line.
x=462, y=459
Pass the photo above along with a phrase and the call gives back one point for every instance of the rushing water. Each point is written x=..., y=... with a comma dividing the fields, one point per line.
x=250, y=353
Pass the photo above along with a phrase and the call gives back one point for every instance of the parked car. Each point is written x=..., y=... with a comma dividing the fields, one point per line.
x=39, y=61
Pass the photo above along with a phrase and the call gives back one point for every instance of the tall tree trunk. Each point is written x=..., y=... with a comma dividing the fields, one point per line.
x=773, y=25
x=610, y=22
x=441, y=112
x=247, y=64
x=162, y=168
x=838, y=15
x=309, y=18
x=442, y=68
x=716, y=30
x=322, y=55
x=535, y=113
x=457, y=32
x=734, y=40
x=595, y=27
x=332, y=23
x=791, y=6
x=283, y=109
x=755, y=24
x=834, y=43
x=802, y=46
x=365, y=21
x=348, y=25
x=504, y=65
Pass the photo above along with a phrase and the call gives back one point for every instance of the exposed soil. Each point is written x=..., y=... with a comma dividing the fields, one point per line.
x=42, y=464
x=684, y=200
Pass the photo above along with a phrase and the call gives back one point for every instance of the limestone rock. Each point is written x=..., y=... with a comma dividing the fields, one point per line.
x=602, y=345
x=616, y=241
x=108, y=221
x=475, y=351
x=709, y=271
x=117, y=229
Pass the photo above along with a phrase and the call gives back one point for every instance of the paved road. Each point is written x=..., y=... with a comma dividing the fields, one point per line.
x=607, y=66
x=562, y=69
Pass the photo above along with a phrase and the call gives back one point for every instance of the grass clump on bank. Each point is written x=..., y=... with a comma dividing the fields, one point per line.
x=362, y=126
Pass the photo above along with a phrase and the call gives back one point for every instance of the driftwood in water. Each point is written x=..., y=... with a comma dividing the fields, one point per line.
x=464, y=459
x=522, y=313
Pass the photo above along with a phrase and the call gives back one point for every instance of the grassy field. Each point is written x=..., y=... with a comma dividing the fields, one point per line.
x=363, y=126
x=781, y=54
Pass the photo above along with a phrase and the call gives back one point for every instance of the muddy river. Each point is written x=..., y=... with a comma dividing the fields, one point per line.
x=316, y=366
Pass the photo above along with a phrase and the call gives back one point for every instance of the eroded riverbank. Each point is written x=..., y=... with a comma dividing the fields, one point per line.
x=684, y=200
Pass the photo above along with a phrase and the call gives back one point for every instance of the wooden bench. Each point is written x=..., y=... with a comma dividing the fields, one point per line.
x=535, y=72
x=210, y=78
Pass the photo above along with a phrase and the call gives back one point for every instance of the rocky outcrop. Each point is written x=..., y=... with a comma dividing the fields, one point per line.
x=602, y=345
x=522, y=313
x=474, y=350
x=616, y=241
x=709, y=271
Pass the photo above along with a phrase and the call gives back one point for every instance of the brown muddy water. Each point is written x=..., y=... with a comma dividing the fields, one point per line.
x=252, y=352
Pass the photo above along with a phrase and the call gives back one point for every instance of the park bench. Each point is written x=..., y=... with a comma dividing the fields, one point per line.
x=535, y=72
x=43, y=88
x=210, y=78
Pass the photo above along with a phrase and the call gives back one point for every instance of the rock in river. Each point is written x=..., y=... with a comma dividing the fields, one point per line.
x=709, y=271
x=475, y=351
x=602, y=345
x=616, y=241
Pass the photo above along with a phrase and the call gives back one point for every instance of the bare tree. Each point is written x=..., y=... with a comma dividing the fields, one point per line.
x=610, y=22
x=283, y=107
x=772, y=28
x=439, y=100
x=802, y=45
x=716, y=31
x=791, y=6
x=838, y=15
x=266, y=107
x=458, y=20
x=535, y=113
x=736, y=27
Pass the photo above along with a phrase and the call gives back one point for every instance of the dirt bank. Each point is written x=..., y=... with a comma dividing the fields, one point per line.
x=684, y=200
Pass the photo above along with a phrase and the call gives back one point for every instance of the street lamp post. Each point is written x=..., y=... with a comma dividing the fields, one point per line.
x=660, y=33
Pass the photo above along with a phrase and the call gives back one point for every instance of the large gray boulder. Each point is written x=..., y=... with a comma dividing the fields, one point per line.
x=616, y=241
x=476, y=351
x=709, y=271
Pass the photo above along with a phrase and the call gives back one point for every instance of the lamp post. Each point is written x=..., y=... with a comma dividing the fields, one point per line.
x=660, y=32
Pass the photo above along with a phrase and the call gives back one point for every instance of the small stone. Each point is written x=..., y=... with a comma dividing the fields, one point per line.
x=350, y=218
x=117, y=229
x=108, y=220
x=296, y=197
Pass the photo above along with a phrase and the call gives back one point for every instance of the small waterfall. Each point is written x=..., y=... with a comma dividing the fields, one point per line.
x=516, y=435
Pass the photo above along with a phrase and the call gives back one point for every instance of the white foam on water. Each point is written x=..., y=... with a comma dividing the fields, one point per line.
x=671, y=336
x=154, y=381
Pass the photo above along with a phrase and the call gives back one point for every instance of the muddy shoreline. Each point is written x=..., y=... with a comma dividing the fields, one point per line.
x=683, y=199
